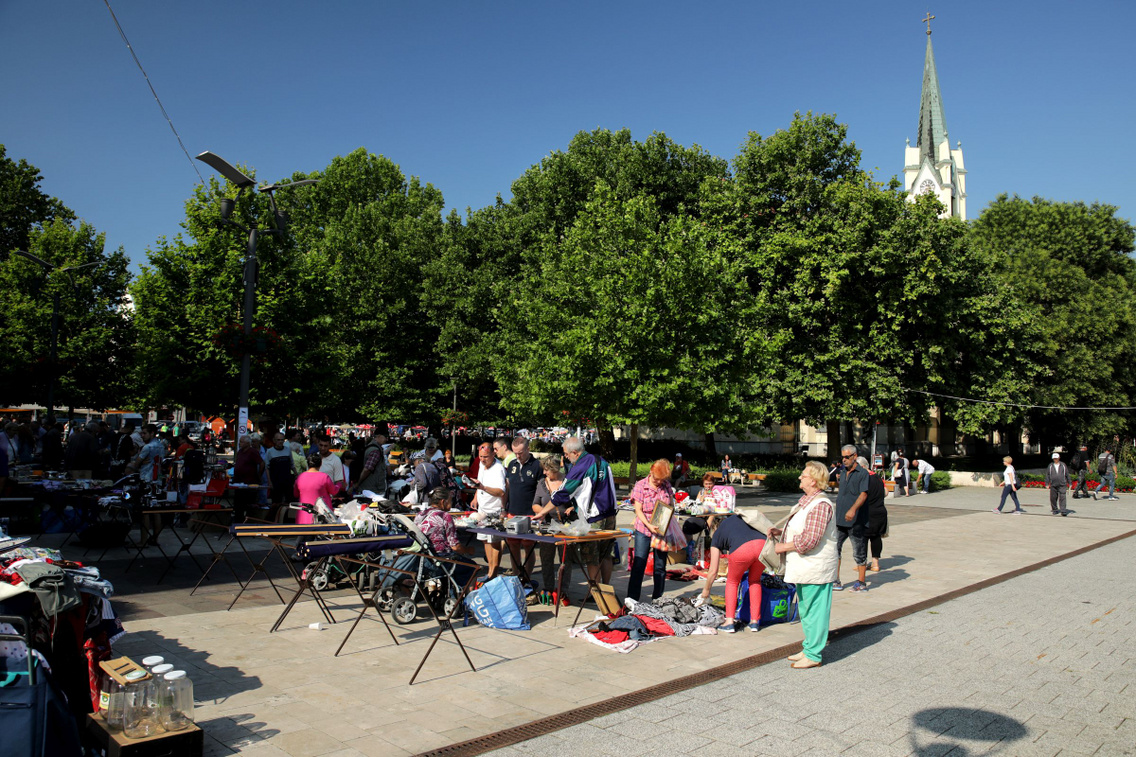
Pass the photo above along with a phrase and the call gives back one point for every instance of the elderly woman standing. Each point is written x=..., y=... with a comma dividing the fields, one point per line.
x=648, y=493
x=809, y=546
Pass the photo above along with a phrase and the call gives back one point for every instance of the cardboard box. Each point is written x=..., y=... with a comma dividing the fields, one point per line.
x=188, y=742
x=605, y=599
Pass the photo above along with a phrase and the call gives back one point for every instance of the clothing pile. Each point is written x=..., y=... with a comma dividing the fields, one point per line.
x=647, y=621
x=71, y=620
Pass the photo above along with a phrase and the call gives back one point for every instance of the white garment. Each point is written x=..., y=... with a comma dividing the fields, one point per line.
x=332, y=465
x=492, y=477
x=819, y=565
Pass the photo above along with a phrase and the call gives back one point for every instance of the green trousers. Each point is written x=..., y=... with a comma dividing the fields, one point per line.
x=815, y=603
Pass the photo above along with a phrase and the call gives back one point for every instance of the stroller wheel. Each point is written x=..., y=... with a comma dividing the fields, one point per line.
x=404, y=610
x=317, y=576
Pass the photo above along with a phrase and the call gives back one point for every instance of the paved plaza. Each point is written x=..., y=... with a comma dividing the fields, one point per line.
x=1037, y=664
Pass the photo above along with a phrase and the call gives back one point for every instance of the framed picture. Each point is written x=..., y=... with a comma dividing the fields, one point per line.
x=661, y=518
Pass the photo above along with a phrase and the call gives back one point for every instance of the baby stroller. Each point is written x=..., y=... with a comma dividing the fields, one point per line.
x=436, y=582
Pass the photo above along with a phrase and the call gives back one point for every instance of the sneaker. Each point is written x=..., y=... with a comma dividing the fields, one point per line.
x=858, y=587
x=755, y=627
x=838, y=586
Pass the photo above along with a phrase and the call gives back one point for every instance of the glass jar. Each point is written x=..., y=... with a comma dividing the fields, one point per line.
x=176, y=700
x=151, y=661
x=112, y=702
x=140, y=713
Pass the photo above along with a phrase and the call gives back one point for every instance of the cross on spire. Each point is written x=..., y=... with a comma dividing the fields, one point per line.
x=927, y=20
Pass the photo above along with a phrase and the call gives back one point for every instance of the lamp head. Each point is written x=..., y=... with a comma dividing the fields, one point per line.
x=227, y=206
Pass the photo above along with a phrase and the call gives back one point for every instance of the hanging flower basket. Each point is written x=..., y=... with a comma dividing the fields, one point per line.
x=231, y=340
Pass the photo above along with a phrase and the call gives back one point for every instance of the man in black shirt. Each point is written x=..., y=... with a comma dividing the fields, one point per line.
x=522, y=474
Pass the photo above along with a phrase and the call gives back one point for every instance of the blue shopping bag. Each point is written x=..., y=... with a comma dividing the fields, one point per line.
x=778, y=601
x=500, y=603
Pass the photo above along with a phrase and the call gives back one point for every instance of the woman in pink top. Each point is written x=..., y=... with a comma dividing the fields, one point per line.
x=312, y=485
x=647, y=494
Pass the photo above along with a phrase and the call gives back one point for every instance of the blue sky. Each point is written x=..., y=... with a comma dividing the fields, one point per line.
x=468, y=95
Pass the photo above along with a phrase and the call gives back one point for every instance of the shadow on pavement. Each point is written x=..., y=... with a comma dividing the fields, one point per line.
x=844, y=642
x=945, y=727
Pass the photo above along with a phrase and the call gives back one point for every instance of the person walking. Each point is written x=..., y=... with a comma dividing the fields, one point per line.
x=1079, y=467
x=1010, y=486
x=877, y=515
x=1057, y=479
x=809, y=546
x=852, y=517
x=1106, y=469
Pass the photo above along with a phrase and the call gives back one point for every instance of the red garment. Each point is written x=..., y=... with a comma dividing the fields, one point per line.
x=656, y=626
x=612, y=637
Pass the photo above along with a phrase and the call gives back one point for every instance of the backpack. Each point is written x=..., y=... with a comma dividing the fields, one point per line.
x=446, y=479
x=1103, y=464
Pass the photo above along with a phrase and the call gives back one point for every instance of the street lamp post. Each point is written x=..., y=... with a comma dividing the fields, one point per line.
x=48, y=268
x=251, y=265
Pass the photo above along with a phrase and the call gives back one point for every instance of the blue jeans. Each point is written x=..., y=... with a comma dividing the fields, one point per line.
x=1008, y=491
x=1107, y=480
x=639, y=566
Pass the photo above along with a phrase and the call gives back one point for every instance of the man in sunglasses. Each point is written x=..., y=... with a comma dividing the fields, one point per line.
x=852, y=517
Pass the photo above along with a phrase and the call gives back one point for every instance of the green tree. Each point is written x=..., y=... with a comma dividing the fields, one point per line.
x=340, y=292
x=856, y=296
x=95, y=342
x=1069, y=264
x=23, y=205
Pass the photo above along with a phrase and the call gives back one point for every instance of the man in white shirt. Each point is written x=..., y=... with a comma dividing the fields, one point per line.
x=331, y=465
x=490, y=485
x=924, y=471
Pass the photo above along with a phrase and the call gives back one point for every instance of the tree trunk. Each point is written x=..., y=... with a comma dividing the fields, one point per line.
x=711, y=448
x=633, y=474
x=607, y=439
x=834, y=442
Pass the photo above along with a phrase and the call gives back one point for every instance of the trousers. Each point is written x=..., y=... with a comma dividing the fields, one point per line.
x=815, y=604
x=1057, y=498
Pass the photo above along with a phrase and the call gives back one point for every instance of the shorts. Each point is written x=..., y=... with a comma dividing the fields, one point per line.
x=859, y=542
x=593, y=552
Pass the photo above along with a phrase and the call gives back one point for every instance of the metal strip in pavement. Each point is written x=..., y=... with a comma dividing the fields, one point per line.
x=547, y=725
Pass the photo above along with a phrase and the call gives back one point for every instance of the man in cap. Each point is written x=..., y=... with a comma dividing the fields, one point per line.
x=1057, y=479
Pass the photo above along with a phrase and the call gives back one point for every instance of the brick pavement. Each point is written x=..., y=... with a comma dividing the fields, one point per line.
x=263, y=695
x=1043, y=664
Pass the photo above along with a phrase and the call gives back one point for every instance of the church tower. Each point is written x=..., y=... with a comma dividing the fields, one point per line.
x=932, y=165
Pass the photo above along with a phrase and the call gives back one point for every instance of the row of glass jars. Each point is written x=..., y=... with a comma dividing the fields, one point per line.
x=162, y=702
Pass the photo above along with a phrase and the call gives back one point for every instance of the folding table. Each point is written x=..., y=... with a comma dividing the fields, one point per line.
x=445, y=622
x=564, y=542
x=274, y=534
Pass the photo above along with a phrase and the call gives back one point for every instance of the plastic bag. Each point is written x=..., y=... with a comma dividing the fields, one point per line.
x=578, y=527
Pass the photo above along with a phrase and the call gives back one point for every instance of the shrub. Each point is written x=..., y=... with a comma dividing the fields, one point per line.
x=782, y=480
x=940, y=480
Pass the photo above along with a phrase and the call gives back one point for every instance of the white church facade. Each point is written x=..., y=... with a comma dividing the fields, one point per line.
x=932, y=165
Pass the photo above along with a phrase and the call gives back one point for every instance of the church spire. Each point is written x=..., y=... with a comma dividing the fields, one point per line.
x=932, y=122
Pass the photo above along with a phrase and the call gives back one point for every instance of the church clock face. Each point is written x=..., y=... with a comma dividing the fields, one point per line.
x=927, y=187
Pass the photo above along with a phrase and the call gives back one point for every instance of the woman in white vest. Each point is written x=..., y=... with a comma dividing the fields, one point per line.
x=809, y=546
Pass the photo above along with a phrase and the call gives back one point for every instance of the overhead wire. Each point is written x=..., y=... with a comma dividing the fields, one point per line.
x=153, y=91
x=1013, y=404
